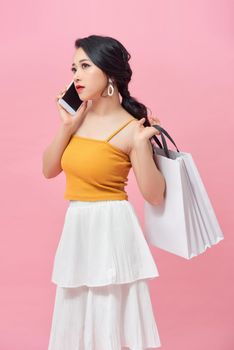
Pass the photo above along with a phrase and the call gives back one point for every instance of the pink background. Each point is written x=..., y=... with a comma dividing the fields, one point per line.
x=182, y=61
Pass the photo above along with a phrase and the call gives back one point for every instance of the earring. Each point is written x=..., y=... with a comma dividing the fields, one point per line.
x=110, y=89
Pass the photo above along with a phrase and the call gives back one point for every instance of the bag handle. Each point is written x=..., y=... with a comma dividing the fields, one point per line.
x=165, y=147
x=157, y=140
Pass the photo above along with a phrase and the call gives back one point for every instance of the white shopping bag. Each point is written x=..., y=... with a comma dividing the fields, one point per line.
x=185, y=223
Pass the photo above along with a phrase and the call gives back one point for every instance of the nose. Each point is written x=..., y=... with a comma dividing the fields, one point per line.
x=76, y=77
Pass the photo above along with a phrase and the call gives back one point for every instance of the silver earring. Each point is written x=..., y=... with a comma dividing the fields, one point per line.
x=110, y=89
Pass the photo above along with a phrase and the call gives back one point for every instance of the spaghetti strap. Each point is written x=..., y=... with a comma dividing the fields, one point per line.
x=120, y=128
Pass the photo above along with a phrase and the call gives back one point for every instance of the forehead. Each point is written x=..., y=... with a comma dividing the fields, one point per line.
x=79, y=56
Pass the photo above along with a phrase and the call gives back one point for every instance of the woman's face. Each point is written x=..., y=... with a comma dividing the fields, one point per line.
x=88, y=75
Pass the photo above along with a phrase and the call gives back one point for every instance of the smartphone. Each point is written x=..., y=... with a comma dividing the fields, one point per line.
x=70, y=100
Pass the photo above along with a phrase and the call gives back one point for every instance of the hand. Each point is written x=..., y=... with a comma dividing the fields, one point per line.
x=69, y=120
x=154, y=120
x=144, y=133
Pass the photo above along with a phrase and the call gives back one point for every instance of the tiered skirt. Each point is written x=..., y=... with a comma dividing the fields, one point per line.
x=100, y=269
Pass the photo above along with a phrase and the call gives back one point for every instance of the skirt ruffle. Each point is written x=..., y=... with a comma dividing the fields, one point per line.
x=102, y=243
x=112, y=317
x=101, y=267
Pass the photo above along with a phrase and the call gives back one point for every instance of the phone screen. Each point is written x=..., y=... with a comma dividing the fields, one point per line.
x=71, y=100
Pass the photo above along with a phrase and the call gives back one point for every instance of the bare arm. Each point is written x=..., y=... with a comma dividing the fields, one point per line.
x=51, y=160
x=150, y=180
x=52, y=154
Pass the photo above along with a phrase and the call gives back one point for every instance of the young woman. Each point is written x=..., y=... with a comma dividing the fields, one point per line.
x=103, y=261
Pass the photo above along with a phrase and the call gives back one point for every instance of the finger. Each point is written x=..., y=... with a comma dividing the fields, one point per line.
x=151, y=120
x=83, y=104
x=157, y=132
x=156, y=121
x=154, y=118
x=61, y=93
x=141, y=121
x=82, y=108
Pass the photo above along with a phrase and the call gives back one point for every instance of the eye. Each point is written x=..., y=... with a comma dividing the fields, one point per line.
x=83, y=64
x=87, y=65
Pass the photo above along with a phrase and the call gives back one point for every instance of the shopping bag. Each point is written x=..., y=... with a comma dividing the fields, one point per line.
x=185, y=223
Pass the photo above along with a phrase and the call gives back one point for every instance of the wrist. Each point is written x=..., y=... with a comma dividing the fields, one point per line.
x=66, y=129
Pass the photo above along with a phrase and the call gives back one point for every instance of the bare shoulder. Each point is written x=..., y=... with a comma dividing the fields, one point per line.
x=130, y=131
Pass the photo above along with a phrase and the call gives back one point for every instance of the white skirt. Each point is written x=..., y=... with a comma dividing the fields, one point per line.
x=101, y=267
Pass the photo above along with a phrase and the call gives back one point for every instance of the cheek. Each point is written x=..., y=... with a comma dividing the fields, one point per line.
x=97, y=81
x=98, y=75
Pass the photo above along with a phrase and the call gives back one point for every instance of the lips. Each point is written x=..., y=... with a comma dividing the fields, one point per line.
x=79, y=86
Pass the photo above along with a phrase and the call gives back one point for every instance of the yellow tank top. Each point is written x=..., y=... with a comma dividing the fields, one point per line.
x=95, y=169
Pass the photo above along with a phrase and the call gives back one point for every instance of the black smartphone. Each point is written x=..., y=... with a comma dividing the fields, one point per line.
x=71, y=100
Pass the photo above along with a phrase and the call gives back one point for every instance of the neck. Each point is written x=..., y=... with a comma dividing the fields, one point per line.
x=103, y=107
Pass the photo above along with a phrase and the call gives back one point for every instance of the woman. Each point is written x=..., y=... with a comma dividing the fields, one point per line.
x=102, y=261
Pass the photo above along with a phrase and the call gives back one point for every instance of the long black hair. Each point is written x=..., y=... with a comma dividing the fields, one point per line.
x=112, y=58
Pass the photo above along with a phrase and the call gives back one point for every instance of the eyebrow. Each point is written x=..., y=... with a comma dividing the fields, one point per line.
x=84, y=59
